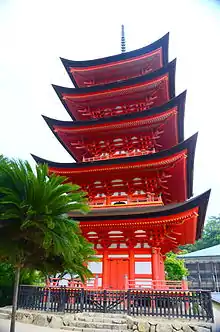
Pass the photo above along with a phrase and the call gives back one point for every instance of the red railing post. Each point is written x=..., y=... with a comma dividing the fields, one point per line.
x=126, y=282
x=184, y=284
x=96, y=282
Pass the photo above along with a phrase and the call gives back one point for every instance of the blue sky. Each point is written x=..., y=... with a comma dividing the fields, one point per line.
x=34, y=34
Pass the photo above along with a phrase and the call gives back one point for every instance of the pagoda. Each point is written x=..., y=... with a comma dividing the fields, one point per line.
x=126, y=137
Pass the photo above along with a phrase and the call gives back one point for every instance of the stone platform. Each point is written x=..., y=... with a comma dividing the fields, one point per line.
x=100, y=322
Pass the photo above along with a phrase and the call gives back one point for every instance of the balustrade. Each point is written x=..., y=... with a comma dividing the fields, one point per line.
x=135, y=199
x=121, y=155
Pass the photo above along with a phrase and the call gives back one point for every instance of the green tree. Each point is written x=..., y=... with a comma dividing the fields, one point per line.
x=27, y=277
x=174, y=267
x=36, y=231
x=7, y=276
x=210, y=235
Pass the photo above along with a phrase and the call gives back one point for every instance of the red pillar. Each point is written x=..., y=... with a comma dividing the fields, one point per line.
x=131, y=276
x=108, y=200
x=162, y=269
x=105, y=277
x=155, y=258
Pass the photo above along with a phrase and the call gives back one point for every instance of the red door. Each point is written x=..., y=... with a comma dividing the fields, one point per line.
x=118, y=268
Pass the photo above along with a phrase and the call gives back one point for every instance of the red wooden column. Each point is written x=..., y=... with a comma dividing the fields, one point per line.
x=131, y=276
x=155, y=258
x=105, y=276
x=108, y=200
x=162, y=269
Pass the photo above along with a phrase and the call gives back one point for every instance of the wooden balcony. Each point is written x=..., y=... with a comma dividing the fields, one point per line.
x=121, y=155
x=125, y=200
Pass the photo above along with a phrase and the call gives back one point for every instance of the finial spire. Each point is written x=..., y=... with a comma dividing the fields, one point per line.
x=123, y=43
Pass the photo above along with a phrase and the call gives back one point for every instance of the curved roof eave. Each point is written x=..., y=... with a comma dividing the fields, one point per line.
x=158, y=211
x=162, y=42
x=177, y=101
x=50, y=122
x=189, y=144
x=170, y=69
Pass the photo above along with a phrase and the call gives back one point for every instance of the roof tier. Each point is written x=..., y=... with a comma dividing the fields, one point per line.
x=133, y=95
x=118, y=67
x=147, y=132
x=167, y=226
x=168, y=173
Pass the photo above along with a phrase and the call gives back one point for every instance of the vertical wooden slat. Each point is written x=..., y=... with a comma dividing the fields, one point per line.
x=129, y=302
x=177, y=302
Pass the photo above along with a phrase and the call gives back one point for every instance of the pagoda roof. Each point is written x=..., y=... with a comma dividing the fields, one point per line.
x=110, y=65
x=115, y=125
x=160, y=213
x=181, y=155
x=107, y=95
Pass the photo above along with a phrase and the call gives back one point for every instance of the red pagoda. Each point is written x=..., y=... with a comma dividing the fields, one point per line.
x=127, y=139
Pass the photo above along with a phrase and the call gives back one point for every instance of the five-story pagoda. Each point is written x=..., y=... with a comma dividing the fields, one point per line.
x=127, y=138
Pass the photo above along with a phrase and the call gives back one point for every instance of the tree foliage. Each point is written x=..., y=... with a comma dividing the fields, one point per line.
x=36, y=232
x=210, y=235
x=7, y=277
x=174, y=267
x=28, y=277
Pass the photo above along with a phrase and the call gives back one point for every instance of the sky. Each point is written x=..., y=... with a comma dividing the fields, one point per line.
x=35, y=33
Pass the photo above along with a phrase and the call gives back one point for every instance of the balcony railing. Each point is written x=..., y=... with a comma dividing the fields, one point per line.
x=158, y=284
x=119, y=201
x=121, y=155
x=140, y=283
x=176, y=304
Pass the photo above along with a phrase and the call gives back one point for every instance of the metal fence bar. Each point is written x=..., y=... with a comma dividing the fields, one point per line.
x=195, y=304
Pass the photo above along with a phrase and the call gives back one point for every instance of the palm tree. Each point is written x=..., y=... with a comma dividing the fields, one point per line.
x=36, y=231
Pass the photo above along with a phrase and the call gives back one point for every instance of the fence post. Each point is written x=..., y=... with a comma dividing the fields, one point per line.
x=184, y=284
x=105, y=300
x=129, y=302
x=62, y=298
x=48, y=299
x=82, y=299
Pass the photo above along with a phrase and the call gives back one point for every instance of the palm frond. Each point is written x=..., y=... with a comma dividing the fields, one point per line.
x=36, y=209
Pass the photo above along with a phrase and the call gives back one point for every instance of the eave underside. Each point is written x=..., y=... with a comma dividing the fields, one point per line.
x=157, y=167
x=166, y=119
x=177, y=224
x=101, y=66
x=145, y=92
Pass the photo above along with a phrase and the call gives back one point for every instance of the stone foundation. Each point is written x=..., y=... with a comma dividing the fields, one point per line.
x=166, y=325
x=106, y=322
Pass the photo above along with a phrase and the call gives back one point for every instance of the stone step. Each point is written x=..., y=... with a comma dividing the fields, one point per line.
x=102, y=319
x=99, y=315
x=99, y=325
x=88, y=329
x=4, y=310
x=4, y=315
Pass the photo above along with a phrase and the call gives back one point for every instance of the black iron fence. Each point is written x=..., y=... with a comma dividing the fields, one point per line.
x=176, y=304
